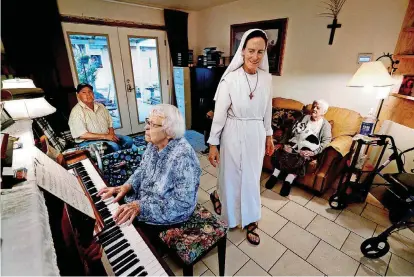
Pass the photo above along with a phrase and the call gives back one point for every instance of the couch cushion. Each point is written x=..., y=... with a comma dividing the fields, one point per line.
x=283, y=103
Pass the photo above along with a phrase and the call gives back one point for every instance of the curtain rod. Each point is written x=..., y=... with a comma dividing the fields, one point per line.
x=133, y=4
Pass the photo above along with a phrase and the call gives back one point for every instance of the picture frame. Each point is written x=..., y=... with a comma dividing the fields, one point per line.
x=275, y=29
x=407, y=85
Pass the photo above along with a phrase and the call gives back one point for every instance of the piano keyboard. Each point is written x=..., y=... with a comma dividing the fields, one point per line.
x=127, y=252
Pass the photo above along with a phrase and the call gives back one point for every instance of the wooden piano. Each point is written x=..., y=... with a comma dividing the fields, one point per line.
x=126, y=249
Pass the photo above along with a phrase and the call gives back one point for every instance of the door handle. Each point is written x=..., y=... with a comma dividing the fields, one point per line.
x=129, y=88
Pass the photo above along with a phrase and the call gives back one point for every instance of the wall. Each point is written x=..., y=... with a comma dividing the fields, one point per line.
x=312, y=69
x=103, y=9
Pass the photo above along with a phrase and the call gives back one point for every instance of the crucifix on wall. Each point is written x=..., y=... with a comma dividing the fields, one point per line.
x=333, y=7
x=333, y=27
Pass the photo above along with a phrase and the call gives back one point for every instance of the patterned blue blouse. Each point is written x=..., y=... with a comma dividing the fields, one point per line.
x=166, y=183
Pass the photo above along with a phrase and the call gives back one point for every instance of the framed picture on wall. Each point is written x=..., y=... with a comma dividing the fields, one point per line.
x=276, y=32
x=407, y=85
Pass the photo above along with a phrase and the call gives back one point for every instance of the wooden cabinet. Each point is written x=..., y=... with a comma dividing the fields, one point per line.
x=204, y=82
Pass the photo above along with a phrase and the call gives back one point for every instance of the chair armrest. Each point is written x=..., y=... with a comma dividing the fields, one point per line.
x=341, y=144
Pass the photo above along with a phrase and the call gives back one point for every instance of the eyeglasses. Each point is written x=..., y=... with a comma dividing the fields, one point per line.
x=152, y=125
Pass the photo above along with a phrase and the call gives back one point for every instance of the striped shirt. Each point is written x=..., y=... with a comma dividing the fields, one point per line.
x=82, y=120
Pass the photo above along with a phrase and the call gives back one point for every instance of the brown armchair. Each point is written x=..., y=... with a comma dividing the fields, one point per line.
x=322, y=172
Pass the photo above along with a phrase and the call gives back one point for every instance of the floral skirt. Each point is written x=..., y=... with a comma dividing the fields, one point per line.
x=291, y=163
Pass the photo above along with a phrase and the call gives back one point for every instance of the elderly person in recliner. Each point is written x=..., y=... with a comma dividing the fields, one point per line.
x=308, y=138
x=163, y=189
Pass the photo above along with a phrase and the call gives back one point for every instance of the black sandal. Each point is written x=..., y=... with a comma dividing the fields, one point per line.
x=215, y=200
x=250, y=231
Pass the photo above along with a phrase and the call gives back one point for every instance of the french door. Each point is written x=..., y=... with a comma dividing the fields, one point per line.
x=128, y=69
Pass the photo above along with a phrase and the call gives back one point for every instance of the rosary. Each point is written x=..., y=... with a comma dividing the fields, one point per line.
x=257, y=80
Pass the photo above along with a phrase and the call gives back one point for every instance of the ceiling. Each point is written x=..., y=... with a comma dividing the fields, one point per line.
x=189, y=5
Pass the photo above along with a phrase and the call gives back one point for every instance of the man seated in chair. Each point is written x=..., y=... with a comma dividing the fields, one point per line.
x=163, y=189
x=90, y=122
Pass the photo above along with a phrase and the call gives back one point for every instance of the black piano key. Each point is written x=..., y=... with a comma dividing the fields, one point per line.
x=105, y=214
x=144, y=273
x=107, y=231
x=92, y=190
x=113, y=239
x=117, y=266
x=117, y=246
x=109, y=235
x=124, y=246
x=109, y=222
x=136, y=271
x=126, y=267
x=120, y=258
x=100, y=205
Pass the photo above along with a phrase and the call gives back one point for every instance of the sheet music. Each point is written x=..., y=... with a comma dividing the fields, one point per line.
x=56, y=180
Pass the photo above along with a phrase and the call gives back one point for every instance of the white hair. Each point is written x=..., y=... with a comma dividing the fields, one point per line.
x=173, y=122
x=322, y=104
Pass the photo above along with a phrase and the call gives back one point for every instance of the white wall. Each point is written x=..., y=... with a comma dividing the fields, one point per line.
x=312, y=69
x=103, y=9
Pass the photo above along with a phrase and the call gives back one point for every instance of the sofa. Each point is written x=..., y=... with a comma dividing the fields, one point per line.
x=322, y=171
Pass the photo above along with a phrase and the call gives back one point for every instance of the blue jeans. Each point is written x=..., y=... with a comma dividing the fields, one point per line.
x=125, y=142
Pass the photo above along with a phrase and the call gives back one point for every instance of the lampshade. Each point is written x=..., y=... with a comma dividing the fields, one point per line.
x=371, y=74
x=28, y=108
x=18, y=83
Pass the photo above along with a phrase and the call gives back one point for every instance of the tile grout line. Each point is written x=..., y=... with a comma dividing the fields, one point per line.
x=278, y=259
x=250, y=259
x=311, y=254
x=342, y=245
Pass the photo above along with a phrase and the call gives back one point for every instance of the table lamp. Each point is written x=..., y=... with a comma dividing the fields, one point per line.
x=23, y=100
x=373, y=77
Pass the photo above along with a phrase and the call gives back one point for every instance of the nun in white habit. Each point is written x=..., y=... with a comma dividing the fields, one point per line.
x=242, y=128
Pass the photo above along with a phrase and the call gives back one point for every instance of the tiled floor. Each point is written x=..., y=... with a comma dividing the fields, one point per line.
x=301, y=235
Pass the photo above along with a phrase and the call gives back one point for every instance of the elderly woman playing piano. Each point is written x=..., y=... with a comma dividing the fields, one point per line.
x=163, y=189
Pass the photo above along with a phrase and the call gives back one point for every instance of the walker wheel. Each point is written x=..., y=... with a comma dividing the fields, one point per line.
x=337, y=202
x=395, y=216
x=375, y=247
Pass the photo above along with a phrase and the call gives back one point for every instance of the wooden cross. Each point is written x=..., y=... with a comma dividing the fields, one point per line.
x=333, y=26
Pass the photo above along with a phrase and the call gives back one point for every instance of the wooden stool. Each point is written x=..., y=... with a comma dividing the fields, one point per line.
x=190, y=242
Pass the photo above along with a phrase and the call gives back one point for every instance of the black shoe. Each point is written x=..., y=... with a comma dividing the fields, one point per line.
x=205, y=151
x=271, y=182
x=285, y=190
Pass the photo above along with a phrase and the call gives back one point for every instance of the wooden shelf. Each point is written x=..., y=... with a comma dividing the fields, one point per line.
x=403, y=56
x=409, y=29
x=403, y=96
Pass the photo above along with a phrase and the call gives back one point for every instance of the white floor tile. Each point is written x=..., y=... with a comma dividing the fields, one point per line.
x=321, y=206
x=297, y=239
x=400, y=267
x=356, y=208
x=357, y=224
x=198, y=269
x=236, y=235
x=251, y=269
x=291, y=264
x=377, y=215
x=266, y=253
x=202, y=196
x=272, y=200
x=271, y=222
x=297, y=194
x=207, y=181
x=352, y=247
x=204, y=161
x=208, y=273
x=365, y=271
x=235, y=259
x=211, y=169
x=331, y=261
x=297, y=214
x=328, y=231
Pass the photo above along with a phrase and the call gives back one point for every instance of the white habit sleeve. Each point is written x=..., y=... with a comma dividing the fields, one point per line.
x=268, y=116
x=223, y=103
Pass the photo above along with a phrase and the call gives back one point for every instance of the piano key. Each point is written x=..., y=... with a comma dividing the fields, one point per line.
x=109, y=235
x=144, y=273
x=117, y=246
x=118, y=250
x=121, y=257
x=126, y=267
x=124, y=261
x=111, y=240
x=136, y=271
